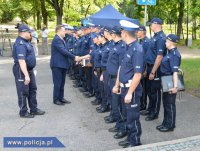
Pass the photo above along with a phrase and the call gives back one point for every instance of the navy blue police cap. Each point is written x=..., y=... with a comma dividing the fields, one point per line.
x=107, y=28
x=173, y=38
x=116, y=30
x=129, y=25
x=156, y=21
x=94, y=35
x=142, y=28
x=24, y=28
x=101, y=33
x=85, y=26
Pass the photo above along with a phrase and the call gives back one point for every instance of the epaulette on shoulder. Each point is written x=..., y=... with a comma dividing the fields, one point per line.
x=21, y=42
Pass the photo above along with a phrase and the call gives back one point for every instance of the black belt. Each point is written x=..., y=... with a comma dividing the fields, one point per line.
x=28, y=69
x=150, y=65
x=98, y=70
x=113, y=76
x=103, y=69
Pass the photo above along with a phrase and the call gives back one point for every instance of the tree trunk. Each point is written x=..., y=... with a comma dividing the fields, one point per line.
x=180, y=18
x=87, y=10
x=194, y=28
x=58, y=8
x=175, y=31
x=44, y=13
x=59, y=18
x=38, y=20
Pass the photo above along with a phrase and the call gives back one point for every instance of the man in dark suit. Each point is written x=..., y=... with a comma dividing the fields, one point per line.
x=59, y=64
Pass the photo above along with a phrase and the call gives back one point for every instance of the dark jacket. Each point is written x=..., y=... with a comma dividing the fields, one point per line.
x=59, y=54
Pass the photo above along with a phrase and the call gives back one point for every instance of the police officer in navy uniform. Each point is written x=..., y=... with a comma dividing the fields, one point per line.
x=77, y=51
x=114, y=61
x=59, y=64
x=153, y=58
x=24, y=63
x=104, y=59
x=169, y=66
x=144, y=41
x=130, y=74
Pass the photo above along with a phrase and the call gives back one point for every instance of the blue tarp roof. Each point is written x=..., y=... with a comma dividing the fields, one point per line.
x=109, y=16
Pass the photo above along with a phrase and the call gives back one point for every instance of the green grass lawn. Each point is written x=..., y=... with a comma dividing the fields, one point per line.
x=191, y=70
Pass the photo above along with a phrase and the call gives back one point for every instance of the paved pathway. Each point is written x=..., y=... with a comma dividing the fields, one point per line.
x=77, y=125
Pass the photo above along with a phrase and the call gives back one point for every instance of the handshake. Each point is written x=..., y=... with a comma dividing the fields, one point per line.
x=78, y=58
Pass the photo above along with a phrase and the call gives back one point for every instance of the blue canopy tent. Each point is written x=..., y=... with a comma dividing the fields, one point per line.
x=109, y=16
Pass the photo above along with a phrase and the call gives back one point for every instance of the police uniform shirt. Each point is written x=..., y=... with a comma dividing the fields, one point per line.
x=156, y=47
x=105, y=54
x=85, y=45
x=98, y=56
x=91, y=42
x=77, y=46
x=145, y=43
x=115, y=57
x=132, y=62
x=95, y=48
x=69, y=41
x=171, y=62
x=23, y=49
x=111, y=44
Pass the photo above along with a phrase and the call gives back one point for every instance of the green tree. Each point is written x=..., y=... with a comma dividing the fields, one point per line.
x=6, y=12
x=195, y=13
x=57, y=5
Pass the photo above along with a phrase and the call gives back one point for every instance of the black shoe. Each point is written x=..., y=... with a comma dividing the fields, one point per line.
x=89, y=95
x=166, y=129
x=58, y=103
x=144, y=112
x=124, y=142
x=129, y=145
x=72, y=78
x=110, y=120
x=103, y=110
x=65, y=101
x=107, y=117
x=159, y=126
x=113, y=129
x=98, y=108
x=96, y=103
x=75, y=82
x=151, y=118
x=81, y=89
x=38, y=112
x=77, y=86
x=142, y=108
x=93, y=101
x=120, y=135
x=26, y=115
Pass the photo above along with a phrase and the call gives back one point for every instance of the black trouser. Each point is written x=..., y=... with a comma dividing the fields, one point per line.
x=133, y=118
x=100, y=85
x=88, y=72
x=59, y=75
x=115, y=101
x=95, y=86
x=169, y=105
x=143, y=99
x=154, y=92
x=80, y=75
x=107, y=93
x=25, y=91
